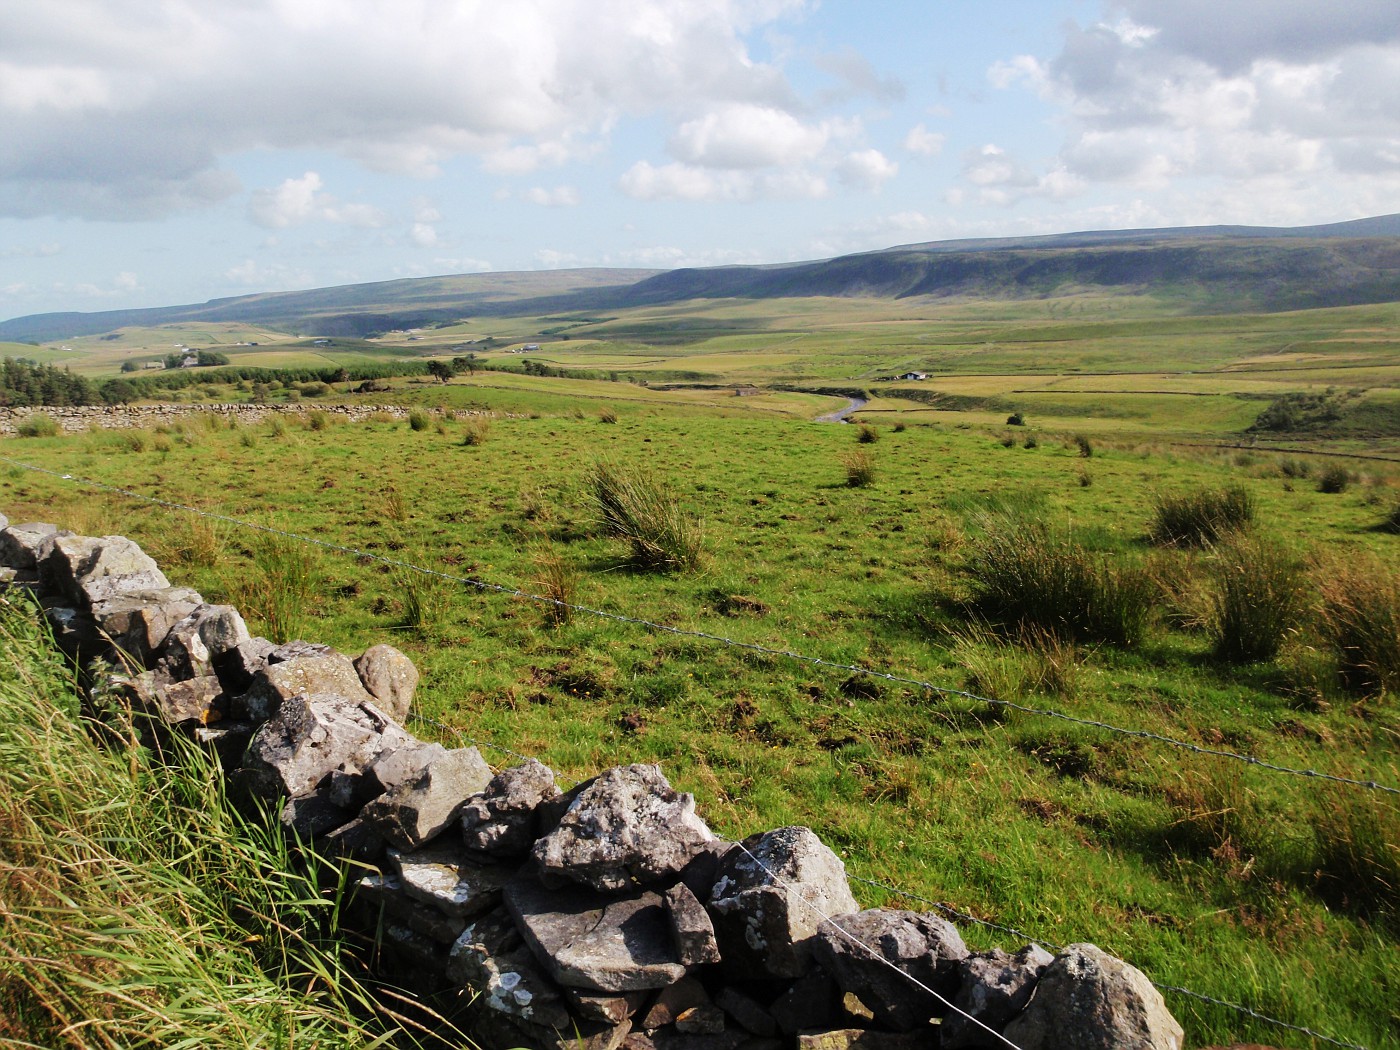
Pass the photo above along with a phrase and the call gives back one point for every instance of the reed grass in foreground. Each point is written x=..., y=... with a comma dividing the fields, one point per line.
x=136, y=908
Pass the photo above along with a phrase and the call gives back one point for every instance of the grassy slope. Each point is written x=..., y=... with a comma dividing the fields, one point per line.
x=1068, y=833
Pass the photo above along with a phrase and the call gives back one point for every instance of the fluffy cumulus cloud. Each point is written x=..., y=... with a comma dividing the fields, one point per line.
x=1273, y=102
x=300, y=200
x=125, y=109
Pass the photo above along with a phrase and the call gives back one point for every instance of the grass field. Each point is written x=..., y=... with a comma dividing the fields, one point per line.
x=1232, y=881
x=1255, y=887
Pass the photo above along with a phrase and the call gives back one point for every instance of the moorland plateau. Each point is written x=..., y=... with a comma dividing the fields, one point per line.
x=1148, y=479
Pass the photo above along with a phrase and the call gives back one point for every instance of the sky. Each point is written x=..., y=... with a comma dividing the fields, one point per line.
x=156, y=152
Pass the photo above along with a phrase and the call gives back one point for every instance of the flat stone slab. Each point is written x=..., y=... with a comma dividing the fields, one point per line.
x=588, y=940
x=442, y=877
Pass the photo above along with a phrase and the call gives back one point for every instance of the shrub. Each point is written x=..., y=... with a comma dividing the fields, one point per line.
x=37, y=425
x=1361, y=621
x=1294, y=468
x=867, y=435
x=1198, y=519
x=642, y=510
x=1031, y=441
x=476, y=431
x=1026, y=578
x=1008, y=441
x=1085, y=448
x=1257, y=599
x=1085, y=479
x=860, y=468
x=418, y=420
x=1016, y=419
x=901, y=427
x=1334, y=479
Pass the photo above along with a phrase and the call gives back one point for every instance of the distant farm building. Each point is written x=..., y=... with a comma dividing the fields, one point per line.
x=914, y=375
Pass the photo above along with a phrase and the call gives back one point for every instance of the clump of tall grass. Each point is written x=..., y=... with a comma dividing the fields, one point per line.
x=641, y=509
x=277, y=591
x=1360, y=618
x=607, y=415
x=867, y=435
x=318, y=419
x=418, y=420
x=1085, y=446
x=1258, y=598
x=555, y=581
x=134, y=440
x=860, y=468
x=1027, y=578
x=424, y=600
x=37, y=425
x=476, y=431
x=1198, y=519
x=1334, y=479
x=139, y=908
x=1032, y=660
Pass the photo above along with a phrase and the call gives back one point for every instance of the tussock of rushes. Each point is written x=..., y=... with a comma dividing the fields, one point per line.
x=138, y=908
x=277, y=592
x=476, y=431
x=1002, y=668
x=556, y=580
x=639, y=508
x=418, y=420
x=1361, y=620
x=1198, y=519
x=860, y=468
x=1026, y=578
x=1258, y=599
x=37, y=425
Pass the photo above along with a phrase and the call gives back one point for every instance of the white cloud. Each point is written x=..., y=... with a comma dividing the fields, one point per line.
x=748, y=136
x=267, y=276
x=125, y=110
x=645, y=181
x=558, y=197
x=424, y=235
x=300, y=200
x=867, y=169
x=924, y=142
x=1282, y=95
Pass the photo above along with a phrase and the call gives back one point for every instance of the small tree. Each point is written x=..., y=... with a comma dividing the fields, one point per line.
x=441, y=370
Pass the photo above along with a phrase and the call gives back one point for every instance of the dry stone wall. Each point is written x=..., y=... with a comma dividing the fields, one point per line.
x=131, y=417
x=603, y=915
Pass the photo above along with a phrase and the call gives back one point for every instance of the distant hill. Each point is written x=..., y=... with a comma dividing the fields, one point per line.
x=1206, y=268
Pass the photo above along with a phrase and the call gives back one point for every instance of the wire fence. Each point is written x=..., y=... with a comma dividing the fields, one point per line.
x=929, y=687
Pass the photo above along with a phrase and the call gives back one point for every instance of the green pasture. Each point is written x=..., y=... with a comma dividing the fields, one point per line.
x=1204, y=872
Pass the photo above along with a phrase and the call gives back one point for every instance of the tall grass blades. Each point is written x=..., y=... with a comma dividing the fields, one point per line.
x=639, y=508
x=418, y=420
x=277, y=590
x=1258, y=598
x=556, y=580
x=1361, y=620
x=1198, y=519
x=1026, y=578
x=425, y=600
x=476, y=431
x=860, y=468
x=37, y=425
x=136, y=907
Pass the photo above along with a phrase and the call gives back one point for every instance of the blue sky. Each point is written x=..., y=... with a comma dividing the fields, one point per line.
x=160, y=153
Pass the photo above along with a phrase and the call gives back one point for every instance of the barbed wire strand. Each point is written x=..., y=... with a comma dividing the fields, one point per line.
x=1172, y=988
x=962, y=916
x=877, y=956
x=662, y=628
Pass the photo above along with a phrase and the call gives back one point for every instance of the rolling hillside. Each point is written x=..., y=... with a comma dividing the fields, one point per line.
x=1222, y=269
